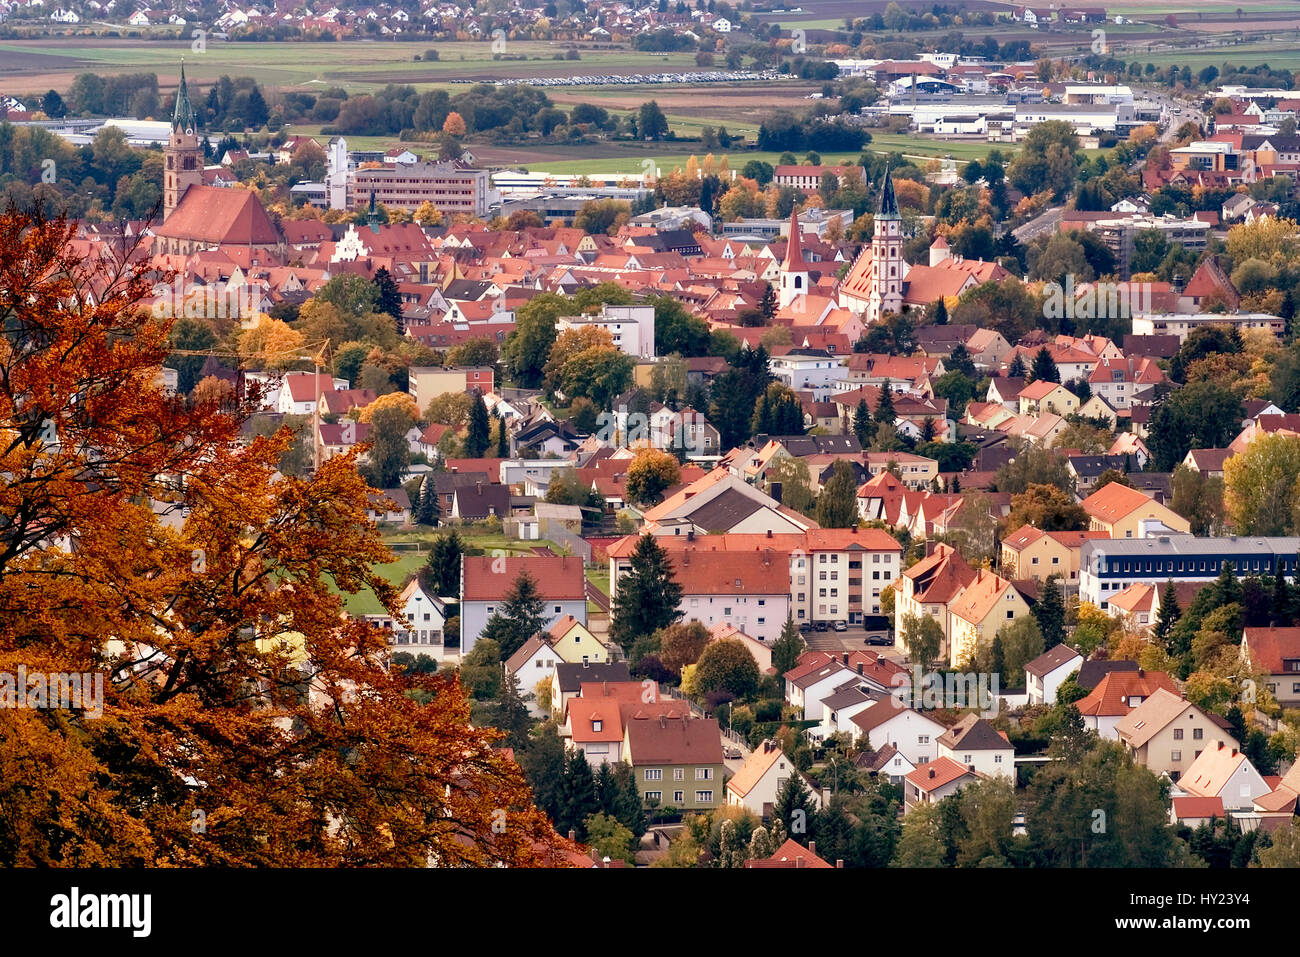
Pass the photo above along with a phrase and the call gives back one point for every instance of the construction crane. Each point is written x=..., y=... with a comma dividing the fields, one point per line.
x=315, y=352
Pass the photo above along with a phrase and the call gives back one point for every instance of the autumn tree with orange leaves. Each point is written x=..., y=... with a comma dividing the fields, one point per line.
x=245, y=720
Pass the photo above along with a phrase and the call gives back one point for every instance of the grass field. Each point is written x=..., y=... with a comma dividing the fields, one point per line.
x=359, y=66
x=407, y=563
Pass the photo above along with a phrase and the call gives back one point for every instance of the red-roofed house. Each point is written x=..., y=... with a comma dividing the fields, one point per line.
x=1276, y=652
x=485, y=582
x=934, y=781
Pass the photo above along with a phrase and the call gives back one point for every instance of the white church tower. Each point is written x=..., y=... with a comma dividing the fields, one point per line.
x=887, y=266
x=336, y=180
x=794, y=271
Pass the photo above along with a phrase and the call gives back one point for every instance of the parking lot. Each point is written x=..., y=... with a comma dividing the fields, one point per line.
x=853, y=639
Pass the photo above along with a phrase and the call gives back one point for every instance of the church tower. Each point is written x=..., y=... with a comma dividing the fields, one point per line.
x=183, y=157
x=794, y=271
x=887, y=266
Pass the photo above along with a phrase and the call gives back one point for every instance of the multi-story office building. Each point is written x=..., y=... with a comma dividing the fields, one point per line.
x=1108, y=566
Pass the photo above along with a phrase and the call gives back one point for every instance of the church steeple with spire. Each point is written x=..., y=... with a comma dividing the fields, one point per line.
x=794, y=270
x=183, y=156
x=887, y=266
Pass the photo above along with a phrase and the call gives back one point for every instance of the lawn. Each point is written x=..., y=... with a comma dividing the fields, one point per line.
x=408, y=562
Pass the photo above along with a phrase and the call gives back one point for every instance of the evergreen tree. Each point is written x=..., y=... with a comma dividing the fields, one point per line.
x=1168, y=616
x=940, y=313
x=864, y=427
x=440, y=575
x=837, y=505
x=543, y=762
x=388, y=300
x=999, y=663
x=511, y=714
x=522, y=614
x=1017, y=368
x=478, y=438
x=1050, y=613
x=927, y=429
x=577, y=796
x=429, y=511
x=648, y=595
x=794, y=809
x=787, y=648
x=885, y=414
x=1044, y=368
x=767, y=305
x=1226, y=589
x=1282, y=610
x=503, y=443
x=626, y=803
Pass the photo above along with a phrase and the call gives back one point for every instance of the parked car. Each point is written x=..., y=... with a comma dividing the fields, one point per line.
x=732, y=753
x=841, y=626
x=805, y=626
x=821, y=626
x=879, y=640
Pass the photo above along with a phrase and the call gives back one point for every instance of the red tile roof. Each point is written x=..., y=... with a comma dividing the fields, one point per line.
x=557, y=578
x=1110, y=697
x=214, y=214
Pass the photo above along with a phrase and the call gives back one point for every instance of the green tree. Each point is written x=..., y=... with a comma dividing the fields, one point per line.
x=1044, y=367
x=478, y=437
x=922, y=637
x=1050, y=613
x=647, y=597
x=577, y=798
x=503, y=443
x=727, y=666
x=1261, y=484
x=1199, y=415
x=387, y=298
x=837, y=505
x=787, y=648
x=651, y=123
x=885, y=413
x=529, y=344
x=1022, y=642
x=440, y=575
x=193, y=335
x=610, y=839
x=795, y=810
x=522, y=614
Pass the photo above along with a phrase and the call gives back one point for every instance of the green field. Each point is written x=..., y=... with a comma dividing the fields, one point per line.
x=359, y=66
x=1277, y=54
x=407, y=563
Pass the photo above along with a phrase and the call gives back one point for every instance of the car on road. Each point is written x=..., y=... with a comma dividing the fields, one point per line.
x=732, y=753
x=840, y=626
x=879, y=640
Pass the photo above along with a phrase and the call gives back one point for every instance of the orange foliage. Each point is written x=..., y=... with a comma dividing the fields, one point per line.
x=231, y=730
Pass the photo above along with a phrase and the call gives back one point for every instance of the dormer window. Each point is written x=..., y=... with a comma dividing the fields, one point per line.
x=596, y=725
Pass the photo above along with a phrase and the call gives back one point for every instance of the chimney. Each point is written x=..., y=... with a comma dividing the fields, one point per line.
x=846, y=657
x=1220, y=743
x=839, y=863
x=859, y=667
x=769, y=533
x=1142, y=673
x=932, y=772
x=690, y=534
x=586, y=663
x=1234, y=753
x=573, y=835
x=812, y=847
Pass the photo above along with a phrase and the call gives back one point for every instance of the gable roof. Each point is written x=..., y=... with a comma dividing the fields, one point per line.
x=1213, y=768
x=789, y=854
x=663, y=740
x=1269, y=648
x=1051, y=659
x=1110, y=697
x=214, y=214
x=1113, y=502
x=1147, y=720
x=526, y=651
x=937, y=773
x=973, y=733
x=558, y=578
x=571, y=677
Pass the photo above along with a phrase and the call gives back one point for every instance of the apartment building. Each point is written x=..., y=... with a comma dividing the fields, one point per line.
x=451, y=187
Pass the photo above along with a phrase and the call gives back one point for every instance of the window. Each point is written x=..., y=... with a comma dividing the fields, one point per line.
x=997, y=759
x=559, y=609
x=703, y=797
x=679, y=797
x=679, y=774
x=704, y=774
x=597, y=725
x=1178, y=734
x=1198, y=734
x=965, y=759
x=922, y=739
x=654, y=774
x=654, y=795
x=1175, y=755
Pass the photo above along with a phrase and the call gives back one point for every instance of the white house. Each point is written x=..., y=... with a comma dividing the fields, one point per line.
x=1224, y=772
x=760, y=779
x=300, y=391
x=533, y=663
x=1046, y=672
x=915, y=735
x=974, y=743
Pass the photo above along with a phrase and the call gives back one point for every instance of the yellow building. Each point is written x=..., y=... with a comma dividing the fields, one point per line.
x=1120, y=511
x=1033, y=553
x=988, y=603
x=575, y=644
